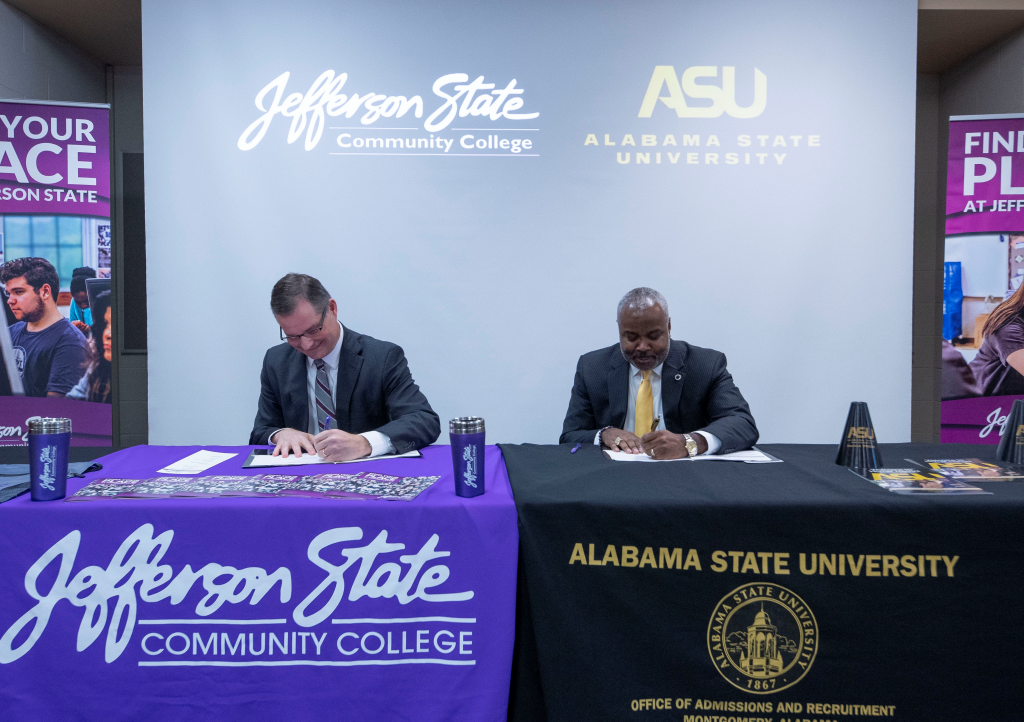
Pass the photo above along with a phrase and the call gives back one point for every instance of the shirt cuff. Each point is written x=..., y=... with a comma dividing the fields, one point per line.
x=379, y=443
x=597, y=438
x=713, y=442
x=270, y=439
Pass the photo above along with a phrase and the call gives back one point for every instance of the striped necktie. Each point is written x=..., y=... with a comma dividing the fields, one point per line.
x=324, y=402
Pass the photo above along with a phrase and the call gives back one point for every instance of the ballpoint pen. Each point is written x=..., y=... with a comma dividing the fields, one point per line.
x=327, y=426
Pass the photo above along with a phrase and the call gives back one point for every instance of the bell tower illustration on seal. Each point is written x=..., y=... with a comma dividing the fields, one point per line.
x=761, y=659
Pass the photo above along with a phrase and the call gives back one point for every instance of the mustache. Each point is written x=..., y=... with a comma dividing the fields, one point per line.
x=644, y=357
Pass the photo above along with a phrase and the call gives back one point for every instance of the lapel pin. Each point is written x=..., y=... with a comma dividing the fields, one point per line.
x=678, y=376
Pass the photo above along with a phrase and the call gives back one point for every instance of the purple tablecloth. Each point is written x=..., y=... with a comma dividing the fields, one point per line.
x=259, y=609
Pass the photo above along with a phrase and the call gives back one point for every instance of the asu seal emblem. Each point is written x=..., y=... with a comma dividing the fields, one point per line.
x=762, y=638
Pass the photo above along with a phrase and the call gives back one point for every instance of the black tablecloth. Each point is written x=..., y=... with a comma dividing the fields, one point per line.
x=623, y=642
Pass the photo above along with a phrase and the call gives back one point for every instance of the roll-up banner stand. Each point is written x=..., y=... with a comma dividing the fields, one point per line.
x=983, y=297
x=55, y=205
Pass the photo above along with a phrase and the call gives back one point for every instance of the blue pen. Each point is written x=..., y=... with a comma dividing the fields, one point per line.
x=575, y=448
x=327, y=423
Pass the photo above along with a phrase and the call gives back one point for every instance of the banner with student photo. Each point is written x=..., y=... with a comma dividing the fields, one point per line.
x=983, y=285
x=55, y=268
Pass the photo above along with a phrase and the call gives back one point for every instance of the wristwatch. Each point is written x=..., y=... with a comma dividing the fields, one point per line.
x=691, y=445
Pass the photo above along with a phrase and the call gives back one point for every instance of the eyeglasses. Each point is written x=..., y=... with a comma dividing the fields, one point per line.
x=308, y=334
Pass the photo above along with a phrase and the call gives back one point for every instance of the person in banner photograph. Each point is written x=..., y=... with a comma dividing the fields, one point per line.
x=331, y=391
x=80, y=314
x=651, y=394
x=95, y=382
x=983, y=316
x=999, y=366
x=49, y=351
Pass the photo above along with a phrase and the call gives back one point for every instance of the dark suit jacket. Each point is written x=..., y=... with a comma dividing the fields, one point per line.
x=697, y=394
x=375, y=392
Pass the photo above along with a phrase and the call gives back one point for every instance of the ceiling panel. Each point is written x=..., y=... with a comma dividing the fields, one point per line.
x=108, y=30
x=111, y=30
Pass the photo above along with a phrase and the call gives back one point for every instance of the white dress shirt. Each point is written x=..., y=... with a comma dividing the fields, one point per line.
x=636, y=378
x=379, y=443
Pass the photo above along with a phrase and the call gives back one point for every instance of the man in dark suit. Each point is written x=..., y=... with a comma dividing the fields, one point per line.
x=334, y=392
x=649, y=394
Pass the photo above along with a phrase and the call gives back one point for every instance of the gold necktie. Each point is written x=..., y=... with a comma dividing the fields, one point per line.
x=644, y=407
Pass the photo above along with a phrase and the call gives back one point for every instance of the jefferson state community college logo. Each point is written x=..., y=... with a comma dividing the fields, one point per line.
x=762, y=638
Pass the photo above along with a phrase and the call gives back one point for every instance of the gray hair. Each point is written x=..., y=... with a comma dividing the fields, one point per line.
x=286, y=293
x=641, y=298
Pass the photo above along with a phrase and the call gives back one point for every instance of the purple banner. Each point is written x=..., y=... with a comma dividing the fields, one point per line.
x=90, y=422
x=54, y=160
x=983, y=269
x=252, y=609
x=980, y=420
x=985, y=176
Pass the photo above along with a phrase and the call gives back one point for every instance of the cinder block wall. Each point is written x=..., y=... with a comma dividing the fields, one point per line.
x=36, y=64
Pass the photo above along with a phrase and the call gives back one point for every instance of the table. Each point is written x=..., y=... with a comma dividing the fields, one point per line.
x=701, y=591
x=252, y=609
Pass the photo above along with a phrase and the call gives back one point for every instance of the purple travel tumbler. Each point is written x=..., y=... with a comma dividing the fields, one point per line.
x=48, y=443
x=467, y=437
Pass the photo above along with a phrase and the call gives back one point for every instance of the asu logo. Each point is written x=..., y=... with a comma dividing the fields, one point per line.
x=905, y=475
x=861, y=432
x=762, y=638
x=723, y=99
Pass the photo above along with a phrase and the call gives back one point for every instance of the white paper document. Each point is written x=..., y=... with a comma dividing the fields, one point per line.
x=266, y=460
x=751, y=456
x=196, y=463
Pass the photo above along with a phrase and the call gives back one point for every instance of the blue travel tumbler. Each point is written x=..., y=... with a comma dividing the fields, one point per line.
x=467, y=437
x=48, y=443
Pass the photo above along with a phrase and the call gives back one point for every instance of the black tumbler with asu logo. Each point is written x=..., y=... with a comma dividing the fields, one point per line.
x=858, y=448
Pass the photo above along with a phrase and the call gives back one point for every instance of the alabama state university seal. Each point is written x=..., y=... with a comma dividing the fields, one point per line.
x=762, y=638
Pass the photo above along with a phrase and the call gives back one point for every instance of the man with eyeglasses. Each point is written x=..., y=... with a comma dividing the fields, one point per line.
x=331, y=391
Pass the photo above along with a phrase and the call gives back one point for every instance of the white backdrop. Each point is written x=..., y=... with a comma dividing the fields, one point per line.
x=495, y=270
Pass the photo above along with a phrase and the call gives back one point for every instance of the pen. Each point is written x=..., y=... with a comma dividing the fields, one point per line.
x=575, y=448
x=327, y=425
x=654, y=426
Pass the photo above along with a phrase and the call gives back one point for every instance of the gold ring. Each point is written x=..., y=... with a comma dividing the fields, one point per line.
x=617, y=440
x=653, y=453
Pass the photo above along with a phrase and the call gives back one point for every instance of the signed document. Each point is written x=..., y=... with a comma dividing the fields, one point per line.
x=261, y=458
x=750, y=456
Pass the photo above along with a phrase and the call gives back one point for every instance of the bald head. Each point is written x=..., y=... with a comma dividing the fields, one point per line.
x=640, y=298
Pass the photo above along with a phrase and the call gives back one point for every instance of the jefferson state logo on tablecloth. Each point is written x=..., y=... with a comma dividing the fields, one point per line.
x=762, y=638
